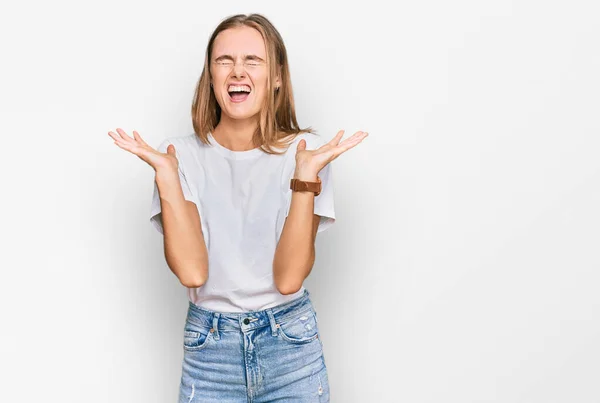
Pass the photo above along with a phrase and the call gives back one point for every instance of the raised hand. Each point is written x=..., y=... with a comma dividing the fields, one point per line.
x=310, y=162
x=139, y=147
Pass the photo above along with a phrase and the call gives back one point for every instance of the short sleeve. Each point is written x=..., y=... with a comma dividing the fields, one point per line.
x=155, y=209
x=324, y=202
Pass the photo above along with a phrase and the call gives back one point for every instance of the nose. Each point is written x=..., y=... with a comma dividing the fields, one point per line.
x=238, y=70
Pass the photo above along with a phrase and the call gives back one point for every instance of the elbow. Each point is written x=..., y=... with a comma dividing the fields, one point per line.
x=287, y=290
x=193, y=279
x=289, y=283
x=192, y=282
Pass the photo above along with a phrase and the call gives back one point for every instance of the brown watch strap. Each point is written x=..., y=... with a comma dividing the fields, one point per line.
x=303, y=186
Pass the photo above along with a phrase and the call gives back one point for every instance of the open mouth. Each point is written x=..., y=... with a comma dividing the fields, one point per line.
x=239, y=93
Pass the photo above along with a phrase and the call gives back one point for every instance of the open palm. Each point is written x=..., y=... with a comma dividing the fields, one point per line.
x=139, y=147
x=315, y=160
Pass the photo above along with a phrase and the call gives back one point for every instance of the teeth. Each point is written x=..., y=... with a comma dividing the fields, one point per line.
x=244, y=88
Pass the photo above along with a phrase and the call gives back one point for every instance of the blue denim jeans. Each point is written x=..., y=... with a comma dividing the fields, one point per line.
x=273, y=355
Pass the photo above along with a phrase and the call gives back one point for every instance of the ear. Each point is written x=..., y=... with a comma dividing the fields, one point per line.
x=278, y=78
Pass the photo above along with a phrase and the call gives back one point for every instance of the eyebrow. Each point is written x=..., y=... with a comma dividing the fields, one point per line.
x=247, y=57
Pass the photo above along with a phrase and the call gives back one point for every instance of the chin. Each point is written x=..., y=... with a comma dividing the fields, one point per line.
x=241, y=115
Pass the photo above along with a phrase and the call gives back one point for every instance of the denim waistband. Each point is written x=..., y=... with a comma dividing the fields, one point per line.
x=245, y=321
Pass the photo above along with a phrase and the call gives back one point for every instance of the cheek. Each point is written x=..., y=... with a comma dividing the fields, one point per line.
x=259, y=80
x=260, y=85
x=218, y=80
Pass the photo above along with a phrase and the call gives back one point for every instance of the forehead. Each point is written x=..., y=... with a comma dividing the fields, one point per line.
x=239, y=41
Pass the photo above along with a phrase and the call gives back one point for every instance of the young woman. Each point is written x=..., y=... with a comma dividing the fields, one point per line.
x=239, y=203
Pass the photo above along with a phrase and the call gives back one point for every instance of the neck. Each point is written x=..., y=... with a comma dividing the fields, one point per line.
x=236, y=134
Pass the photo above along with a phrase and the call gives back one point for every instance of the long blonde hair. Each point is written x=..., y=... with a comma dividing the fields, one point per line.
x=278, y=114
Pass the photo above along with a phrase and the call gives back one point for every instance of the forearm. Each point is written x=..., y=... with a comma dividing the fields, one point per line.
x=185, y=249
x=295, y=252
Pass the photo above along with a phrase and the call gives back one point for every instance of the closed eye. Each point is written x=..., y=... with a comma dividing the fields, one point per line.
x=230, y=64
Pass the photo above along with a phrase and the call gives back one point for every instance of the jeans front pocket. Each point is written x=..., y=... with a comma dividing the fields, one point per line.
x=195, y=339
x=299, y=328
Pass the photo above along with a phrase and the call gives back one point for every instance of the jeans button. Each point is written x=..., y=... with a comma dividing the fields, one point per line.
x=246, y=321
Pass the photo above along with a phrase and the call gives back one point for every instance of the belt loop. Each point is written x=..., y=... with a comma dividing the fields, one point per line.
x=272, y=321
x=216, y=325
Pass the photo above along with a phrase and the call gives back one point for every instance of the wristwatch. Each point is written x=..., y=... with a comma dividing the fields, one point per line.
x=302, y=186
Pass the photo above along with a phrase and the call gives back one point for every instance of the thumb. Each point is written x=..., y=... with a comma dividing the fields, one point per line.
x=171, y=149
x=301, y=145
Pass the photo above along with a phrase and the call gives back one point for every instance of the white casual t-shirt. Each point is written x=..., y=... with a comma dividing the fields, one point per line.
x=243, y=198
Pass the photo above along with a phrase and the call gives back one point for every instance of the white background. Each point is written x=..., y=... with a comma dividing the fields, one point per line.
x=463, y=266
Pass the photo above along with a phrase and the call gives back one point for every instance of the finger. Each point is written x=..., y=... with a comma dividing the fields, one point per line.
x=118, y=138
x=301, y=145
x=358, y=136
x=355, y=136
x=336, y=139
x=124, y=135
x=331, y=143
x=140, y=152
x=137, y=136
x=348, y=144
x=335, y=142
x=353, y=142
x=124, y=145
x=114, y=136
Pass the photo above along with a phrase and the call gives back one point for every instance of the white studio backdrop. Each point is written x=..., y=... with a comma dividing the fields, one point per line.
x=463, y=266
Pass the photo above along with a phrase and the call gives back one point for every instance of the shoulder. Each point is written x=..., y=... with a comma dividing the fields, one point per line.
x=313, y=141
x=188, y=142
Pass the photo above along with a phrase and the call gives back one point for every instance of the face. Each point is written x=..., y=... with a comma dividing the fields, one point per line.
x=239, y=64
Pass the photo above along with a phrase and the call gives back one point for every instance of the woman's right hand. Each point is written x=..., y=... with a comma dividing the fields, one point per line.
x=137, y=146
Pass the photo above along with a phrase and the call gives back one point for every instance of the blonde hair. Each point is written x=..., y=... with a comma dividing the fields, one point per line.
x=278, y=115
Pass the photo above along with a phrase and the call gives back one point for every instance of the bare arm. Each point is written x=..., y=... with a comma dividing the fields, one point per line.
x=185, y=249
x=295, y=253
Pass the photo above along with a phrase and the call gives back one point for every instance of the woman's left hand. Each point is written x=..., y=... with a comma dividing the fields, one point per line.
x=310, y=162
